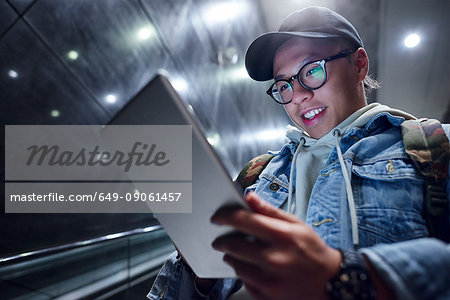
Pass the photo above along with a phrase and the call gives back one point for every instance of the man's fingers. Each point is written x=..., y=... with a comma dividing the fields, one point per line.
x=264, y=221
x=266, y=228
x=263, y=207
x=241, y=246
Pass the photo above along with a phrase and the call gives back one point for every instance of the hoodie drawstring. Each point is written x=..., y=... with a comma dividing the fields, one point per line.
x=291, y=176
x=348, y=187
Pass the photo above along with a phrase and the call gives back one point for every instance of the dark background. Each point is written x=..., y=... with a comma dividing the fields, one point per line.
x=121, y=44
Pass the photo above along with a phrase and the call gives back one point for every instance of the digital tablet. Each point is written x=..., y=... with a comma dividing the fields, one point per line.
x=192, y=233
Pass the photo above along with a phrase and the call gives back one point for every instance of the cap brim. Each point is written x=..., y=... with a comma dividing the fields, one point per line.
x=260, y=53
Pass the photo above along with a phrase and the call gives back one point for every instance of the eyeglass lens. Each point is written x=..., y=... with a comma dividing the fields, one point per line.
x=311, y=76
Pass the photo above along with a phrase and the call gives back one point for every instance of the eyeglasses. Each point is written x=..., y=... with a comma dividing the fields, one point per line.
x=311, y=77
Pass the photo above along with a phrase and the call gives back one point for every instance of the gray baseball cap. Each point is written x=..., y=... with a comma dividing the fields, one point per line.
x=310, y=22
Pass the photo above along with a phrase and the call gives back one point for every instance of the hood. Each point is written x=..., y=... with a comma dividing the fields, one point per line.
x=358, y=119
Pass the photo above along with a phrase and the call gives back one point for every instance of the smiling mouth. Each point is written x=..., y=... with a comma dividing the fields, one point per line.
x=313, y=113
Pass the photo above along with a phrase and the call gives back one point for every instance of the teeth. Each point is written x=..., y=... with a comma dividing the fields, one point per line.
x=312, y=113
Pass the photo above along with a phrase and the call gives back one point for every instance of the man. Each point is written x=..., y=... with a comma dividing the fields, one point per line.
x=352, y=226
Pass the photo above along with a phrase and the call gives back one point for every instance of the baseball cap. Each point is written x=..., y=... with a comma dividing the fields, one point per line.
x=310, y=22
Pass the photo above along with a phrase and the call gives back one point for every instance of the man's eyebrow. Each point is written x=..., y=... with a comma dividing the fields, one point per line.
x=280, y=76
x=312, y=57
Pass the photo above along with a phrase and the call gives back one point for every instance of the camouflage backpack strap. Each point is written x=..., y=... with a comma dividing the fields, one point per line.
x=252, y=169
x=428, y=146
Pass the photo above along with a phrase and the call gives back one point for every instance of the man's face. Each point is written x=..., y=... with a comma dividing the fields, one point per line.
x=318, y=111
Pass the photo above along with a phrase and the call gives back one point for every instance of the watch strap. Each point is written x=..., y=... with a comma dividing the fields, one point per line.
x=353, y=280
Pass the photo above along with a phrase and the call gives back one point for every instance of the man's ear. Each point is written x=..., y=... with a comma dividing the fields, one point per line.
x=362, y=64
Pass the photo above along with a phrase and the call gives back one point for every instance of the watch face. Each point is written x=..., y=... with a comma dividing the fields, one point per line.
x=352, y=281
x=351, y=284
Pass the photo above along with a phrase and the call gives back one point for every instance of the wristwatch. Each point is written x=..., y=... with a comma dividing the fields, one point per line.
x=352, y=280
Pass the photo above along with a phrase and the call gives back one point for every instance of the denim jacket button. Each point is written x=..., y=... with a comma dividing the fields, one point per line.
x=274, y=186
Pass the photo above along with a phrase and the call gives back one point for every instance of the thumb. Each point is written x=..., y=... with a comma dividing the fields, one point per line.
x=265, y=208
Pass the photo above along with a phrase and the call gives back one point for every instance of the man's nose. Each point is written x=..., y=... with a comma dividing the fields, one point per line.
x=300, y=94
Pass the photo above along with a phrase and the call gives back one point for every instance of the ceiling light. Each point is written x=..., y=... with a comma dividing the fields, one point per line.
x=271, y=134
x=13, y=74
x=111, y=98
x=237, y=73
x=55, y=113
x=222, y=11
x=412, y=40
x=180, y=85
x=228, y=56
x=263, y=135
x=214, y=139
x=145, y=33
x=72, y=55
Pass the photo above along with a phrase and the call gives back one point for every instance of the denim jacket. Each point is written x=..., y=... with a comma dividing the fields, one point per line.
x=388, y=195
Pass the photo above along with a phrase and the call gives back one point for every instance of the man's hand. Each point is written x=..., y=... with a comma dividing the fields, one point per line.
x=279, y=256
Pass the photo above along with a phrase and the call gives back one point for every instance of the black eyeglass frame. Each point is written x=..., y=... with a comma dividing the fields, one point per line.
x=321, y=62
